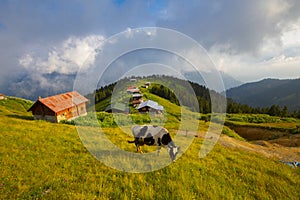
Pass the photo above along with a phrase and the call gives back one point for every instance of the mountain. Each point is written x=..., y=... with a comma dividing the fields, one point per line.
x=229, y=81
x=268, y=92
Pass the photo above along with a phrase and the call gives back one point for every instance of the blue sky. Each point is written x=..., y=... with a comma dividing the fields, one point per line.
x=249, y=40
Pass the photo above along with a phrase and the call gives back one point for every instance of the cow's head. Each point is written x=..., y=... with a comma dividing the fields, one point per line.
x=173, y=151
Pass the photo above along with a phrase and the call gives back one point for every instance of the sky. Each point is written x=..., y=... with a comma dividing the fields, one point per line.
x=43, y=44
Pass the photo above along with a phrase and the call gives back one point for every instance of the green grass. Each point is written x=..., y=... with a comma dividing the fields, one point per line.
x=260, y=119
x=41, y=160
x=263, y=121
x=101, y=105
x=231, y=133
x=14, y=105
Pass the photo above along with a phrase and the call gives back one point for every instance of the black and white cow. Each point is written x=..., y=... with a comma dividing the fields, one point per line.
x=154, y=135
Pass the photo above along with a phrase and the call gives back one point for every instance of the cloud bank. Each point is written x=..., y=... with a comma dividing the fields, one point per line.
x=45, y=42
x=55, y=71
x=72, y=54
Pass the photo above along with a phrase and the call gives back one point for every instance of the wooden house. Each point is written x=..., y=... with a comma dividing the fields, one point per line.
x=150, y=106
x=146, y=85
x=60, y=107
x=133, y=90
x=133, y=80
x=2, y=97
x=136, y=99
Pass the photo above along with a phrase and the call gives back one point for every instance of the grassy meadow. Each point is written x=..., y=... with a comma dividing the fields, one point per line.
x=42, y=160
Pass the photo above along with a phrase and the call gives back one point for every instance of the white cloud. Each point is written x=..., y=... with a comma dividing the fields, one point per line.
x=26, y=60
x=66, y=58
x=275, y=8
x=291, y=37
x=277, y=57
x=279, y=67
x=247, y=68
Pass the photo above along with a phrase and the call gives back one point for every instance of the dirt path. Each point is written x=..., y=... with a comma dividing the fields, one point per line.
x=270, y=150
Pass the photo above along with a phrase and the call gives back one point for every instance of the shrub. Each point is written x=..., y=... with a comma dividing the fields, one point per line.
x=295, y=131
x=253, y=118
x=205, y=118
x=67, y=122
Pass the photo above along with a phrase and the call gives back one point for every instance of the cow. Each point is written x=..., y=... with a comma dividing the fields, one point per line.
x=154, y=135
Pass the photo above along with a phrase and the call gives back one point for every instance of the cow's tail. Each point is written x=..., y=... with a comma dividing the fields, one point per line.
x=130, y=141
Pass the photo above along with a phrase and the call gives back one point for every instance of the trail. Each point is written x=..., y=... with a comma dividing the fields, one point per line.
x=270, y=150
x=267, y=149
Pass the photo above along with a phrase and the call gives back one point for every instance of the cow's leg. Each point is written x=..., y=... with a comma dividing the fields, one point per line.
x=138, y=149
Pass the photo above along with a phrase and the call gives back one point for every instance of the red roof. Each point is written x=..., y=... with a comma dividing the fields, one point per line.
x=64, y=101
x=132, y=87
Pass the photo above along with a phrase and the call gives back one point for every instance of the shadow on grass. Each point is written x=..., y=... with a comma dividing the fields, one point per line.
x=21, y=117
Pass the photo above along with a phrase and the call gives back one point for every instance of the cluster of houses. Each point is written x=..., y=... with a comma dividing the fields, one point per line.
x=141, y=105
x=68, y=106
x=136, y=95
x=137, y=102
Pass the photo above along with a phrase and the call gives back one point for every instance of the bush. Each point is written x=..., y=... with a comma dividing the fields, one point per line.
x=67, y=122
x=205, y=118
x=253, y=118
x=288, y=119
x=114, y=120
x=295, y=131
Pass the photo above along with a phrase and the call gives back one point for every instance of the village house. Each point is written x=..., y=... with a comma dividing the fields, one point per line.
x=150, y=106
x=147, y=84
x=136, y=99
x=2, y=97
x=133, y=80
x=60, y=107
x=133, y=89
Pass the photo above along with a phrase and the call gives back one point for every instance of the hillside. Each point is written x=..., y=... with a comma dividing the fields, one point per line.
x=190, y=94
x=268, y=92
x=42, y=160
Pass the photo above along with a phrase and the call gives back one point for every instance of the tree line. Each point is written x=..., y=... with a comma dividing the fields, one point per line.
x=273, y=110
x=102, y=93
